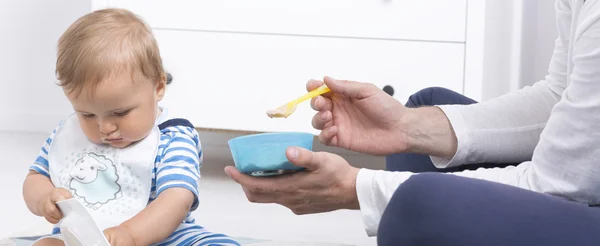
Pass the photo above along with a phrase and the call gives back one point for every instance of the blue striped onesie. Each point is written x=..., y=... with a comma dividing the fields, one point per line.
x=177, y=164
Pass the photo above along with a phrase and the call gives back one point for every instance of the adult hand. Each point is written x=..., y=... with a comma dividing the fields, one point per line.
x=328, y=183
x=358, y=117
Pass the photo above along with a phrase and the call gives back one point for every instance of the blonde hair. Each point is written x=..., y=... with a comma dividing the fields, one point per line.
x=106, y=43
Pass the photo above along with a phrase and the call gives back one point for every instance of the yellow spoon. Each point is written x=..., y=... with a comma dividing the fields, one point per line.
x=287, y=109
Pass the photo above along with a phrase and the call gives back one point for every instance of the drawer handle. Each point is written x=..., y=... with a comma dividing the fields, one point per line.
x=389, y=90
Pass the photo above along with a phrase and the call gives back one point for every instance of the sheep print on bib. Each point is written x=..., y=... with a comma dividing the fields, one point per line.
x=113, y=184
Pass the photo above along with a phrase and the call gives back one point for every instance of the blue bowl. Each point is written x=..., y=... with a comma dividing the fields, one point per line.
x=264, y=154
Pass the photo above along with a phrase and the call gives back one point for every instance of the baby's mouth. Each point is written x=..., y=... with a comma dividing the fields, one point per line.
x=113, y=140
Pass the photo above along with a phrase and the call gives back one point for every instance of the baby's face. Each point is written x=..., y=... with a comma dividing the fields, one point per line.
x=120, y=110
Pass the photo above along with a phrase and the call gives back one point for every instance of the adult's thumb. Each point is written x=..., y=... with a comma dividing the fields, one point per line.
x=304, y=158
x=348, y=88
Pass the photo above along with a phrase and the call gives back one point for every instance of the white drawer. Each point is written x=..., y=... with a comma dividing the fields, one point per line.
x=228, y=81
x=438, y=20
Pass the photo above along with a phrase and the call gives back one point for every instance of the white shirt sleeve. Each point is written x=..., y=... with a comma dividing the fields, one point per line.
x=502, y=130
x=507, y=129
x=565, y=156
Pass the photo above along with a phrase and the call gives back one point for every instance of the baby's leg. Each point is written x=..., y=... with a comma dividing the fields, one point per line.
x=49, y=242
x=195, y=235
x=202, y=239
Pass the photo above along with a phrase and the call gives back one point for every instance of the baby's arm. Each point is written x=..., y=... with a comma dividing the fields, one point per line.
x=160, y=219
x=36, y=188
x=177, y=176
x=39, y=193
x=37, y=184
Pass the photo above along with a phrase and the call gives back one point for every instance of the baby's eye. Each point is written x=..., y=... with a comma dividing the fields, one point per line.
x=121, y=114
x=87, y=116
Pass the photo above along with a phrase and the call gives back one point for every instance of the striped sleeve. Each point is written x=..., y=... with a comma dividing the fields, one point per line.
x=41, y=164
x=180, y=161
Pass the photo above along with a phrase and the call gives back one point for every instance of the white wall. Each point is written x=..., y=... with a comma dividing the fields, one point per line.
x=539, y=32
x=29, y=32
x=498, y=55
x=519, y=41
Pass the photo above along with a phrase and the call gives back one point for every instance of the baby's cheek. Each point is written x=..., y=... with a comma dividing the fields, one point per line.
x=139, y=131
x=92, y=133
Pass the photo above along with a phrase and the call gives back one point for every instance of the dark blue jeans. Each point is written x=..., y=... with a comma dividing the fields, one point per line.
x=435, y=209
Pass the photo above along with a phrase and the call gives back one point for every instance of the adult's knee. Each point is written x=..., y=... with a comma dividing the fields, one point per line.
x=415, y=214
x=423, y=97
x=432, y=96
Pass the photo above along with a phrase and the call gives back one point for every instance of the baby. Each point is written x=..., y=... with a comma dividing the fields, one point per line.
x=134, y=169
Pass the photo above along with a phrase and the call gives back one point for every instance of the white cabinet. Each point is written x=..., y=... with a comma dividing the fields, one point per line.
x=230, y=80
x=385, y=19
x=233, y=59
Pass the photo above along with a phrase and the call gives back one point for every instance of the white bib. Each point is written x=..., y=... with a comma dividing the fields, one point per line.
x=114, y=184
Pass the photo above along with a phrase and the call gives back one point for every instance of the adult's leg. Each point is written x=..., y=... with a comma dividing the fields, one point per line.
x=419, y=163
x=432, y=209
x=427, y=97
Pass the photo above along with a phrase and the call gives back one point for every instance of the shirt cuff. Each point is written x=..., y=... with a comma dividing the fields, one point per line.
x=366, y=201
x=374, y=189
x=459, y=126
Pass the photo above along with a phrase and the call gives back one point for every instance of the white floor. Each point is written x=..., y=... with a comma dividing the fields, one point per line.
x=223, y=208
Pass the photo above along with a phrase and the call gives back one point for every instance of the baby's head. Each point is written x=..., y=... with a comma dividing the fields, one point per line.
x=110, y=69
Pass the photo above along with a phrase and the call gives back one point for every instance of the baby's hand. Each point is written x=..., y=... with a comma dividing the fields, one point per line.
x=119, y=235
x=48, y=207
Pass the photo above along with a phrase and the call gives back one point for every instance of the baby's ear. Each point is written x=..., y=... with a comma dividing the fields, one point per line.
x=161, y=87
